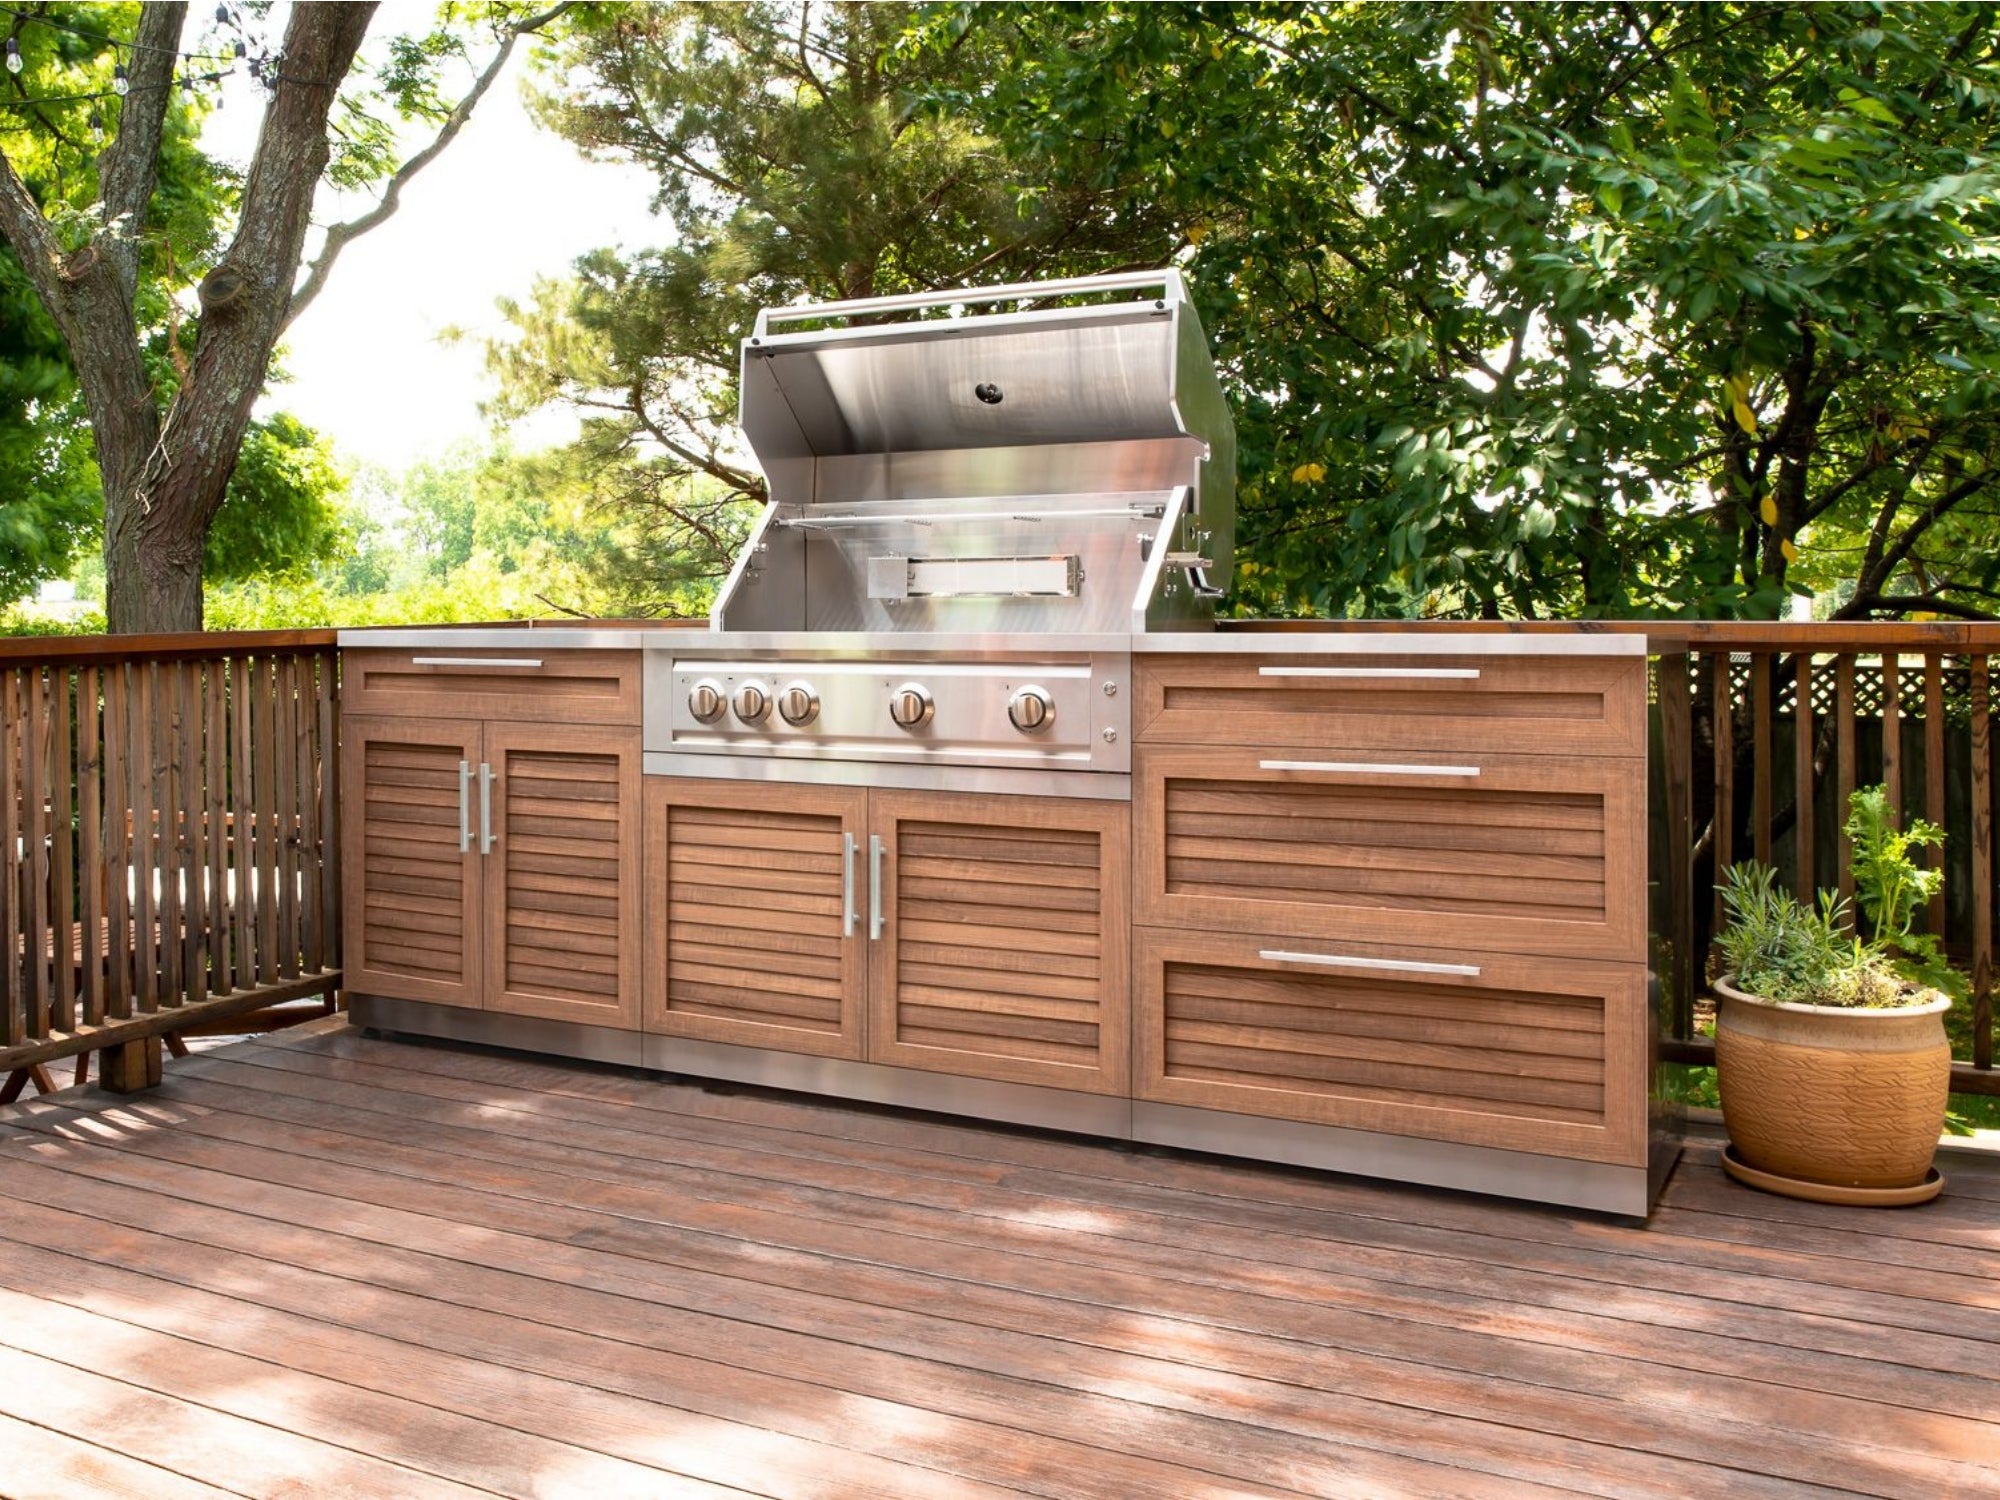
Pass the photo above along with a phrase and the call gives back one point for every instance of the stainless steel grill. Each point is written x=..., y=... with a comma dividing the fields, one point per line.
x=970, y=518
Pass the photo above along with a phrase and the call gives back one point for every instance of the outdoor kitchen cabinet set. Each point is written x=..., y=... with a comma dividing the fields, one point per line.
x=962, y=803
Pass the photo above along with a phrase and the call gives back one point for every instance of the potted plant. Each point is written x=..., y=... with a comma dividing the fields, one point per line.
x=1830, y=1049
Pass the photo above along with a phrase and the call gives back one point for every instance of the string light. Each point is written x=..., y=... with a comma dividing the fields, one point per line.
x=120, y=84
x=13, y=55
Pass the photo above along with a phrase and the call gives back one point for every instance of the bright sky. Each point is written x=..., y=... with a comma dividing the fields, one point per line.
x=505, y=202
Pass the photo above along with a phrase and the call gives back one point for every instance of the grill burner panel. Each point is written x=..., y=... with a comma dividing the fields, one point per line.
x=1051, y=713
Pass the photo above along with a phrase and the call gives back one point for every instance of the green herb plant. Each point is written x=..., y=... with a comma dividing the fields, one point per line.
x=1892, y=888
x=1785, y=949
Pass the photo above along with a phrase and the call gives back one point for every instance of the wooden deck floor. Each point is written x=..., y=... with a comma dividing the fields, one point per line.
x=318, y=1265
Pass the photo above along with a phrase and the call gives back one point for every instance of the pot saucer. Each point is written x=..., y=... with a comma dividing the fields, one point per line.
x=1828, y=1192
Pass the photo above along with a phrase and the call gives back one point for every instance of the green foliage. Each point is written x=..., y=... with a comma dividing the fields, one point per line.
x=1890, y=886
x=1780, y=948
x=282, y=514
x=1578, y=309
x=801, y=152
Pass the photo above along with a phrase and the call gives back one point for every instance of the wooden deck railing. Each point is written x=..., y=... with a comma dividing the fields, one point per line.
x=1787, y=720
x=168, y=839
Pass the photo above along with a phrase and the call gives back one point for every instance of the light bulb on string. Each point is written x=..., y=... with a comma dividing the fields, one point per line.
x=13, y=55
x=96, y=123
x=120, y=84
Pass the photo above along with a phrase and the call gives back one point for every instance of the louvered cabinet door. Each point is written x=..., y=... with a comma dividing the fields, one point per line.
x=562, y=873
x=755, y=913
x=1483, y=853
x=1005, y=947
x=410, y=890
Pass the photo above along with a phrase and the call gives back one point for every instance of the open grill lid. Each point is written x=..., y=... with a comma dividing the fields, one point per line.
x=1065, y=466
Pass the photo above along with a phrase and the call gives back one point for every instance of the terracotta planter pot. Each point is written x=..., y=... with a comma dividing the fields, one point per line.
x=1852, y=1098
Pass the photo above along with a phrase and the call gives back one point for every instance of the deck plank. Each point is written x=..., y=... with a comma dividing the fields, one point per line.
x=612, y=1276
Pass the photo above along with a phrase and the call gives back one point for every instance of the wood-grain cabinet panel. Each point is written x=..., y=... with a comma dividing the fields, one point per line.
x=514, y=685
x=1519, y=1054
x=1005, y=939
x=493, y=866
x=410, y=874
x=562, y=876
x=749, y=890
x=1491, y=854
x=1436, y=706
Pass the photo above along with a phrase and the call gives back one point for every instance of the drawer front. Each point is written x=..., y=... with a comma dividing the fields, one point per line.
x=528, y=684
x=1435, y=704
x=1487, y=853
x=1521, y=1054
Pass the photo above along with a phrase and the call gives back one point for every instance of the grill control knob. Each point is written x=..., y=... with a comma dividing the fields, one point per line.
x=753, y=702
x=706, y=701
x=798, y=703
x=1031, y=710
x=911, y=705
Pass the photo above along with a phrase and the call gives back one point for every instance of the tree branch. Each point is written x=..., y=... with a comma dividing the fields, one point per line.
x=340, y=236
x=130, y=165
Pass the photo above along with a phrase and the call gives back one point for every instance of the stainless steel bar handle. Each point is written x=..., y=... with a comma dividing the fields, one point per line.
x=1364, y=768
x=1168, y=280
x=475, y=661
x=847, y=911
x=486, y=839
x=874, y=886
x=464, y=806
x=1349, y=961
x=1467, y=674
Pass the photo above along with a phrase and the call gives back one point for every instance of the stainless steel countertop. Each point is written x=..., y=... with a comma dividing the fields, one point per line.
x=581, y=636
x=1433, y=640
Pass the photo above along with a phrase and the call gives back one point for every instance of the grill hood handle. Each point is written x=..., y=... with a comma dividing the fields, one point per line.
x=1168, y=281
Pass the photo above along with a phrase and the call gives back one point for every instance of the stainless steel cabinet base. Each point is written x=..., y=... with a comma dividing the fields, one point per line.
x=1516, y=1174
x=1597, y=1186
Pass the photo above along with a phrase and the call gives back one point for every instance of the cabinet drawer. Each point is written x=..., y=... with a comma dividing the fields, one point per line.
x=528, y=684
x=1435, y=704
x=1481, y=853
x=1523, y=1054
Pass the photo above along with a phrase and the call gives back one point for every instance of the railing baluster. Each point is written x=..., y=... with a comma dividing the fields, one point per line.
x=284, y=755
x=90, y=848
x=1721, y=698
x=243, y=914
x=14, y=1011
x=329, y=791
x=1762, y=666
x=215, y=780
x=1845, y=769
x=310, y=917
x=62, y=868
x=1934, y=767
x=36, y=937
x=263, y=744
x=194, y=840
x=1892, y=729
x=1982, y=866
x=1802, y=774
x=145, y=860
x=167, y=806
x=121, y=942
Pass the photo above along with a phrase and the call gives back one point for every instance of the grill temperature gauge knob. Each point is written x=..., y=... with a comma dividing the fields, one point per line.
x=911, y=705
x=798, y=703
x=706, y=701
x=753, y=702
x=1031, y=710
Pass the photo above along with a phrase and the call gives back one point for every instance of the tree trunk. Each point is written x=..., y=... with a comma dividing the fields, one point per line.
x=164, y=481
